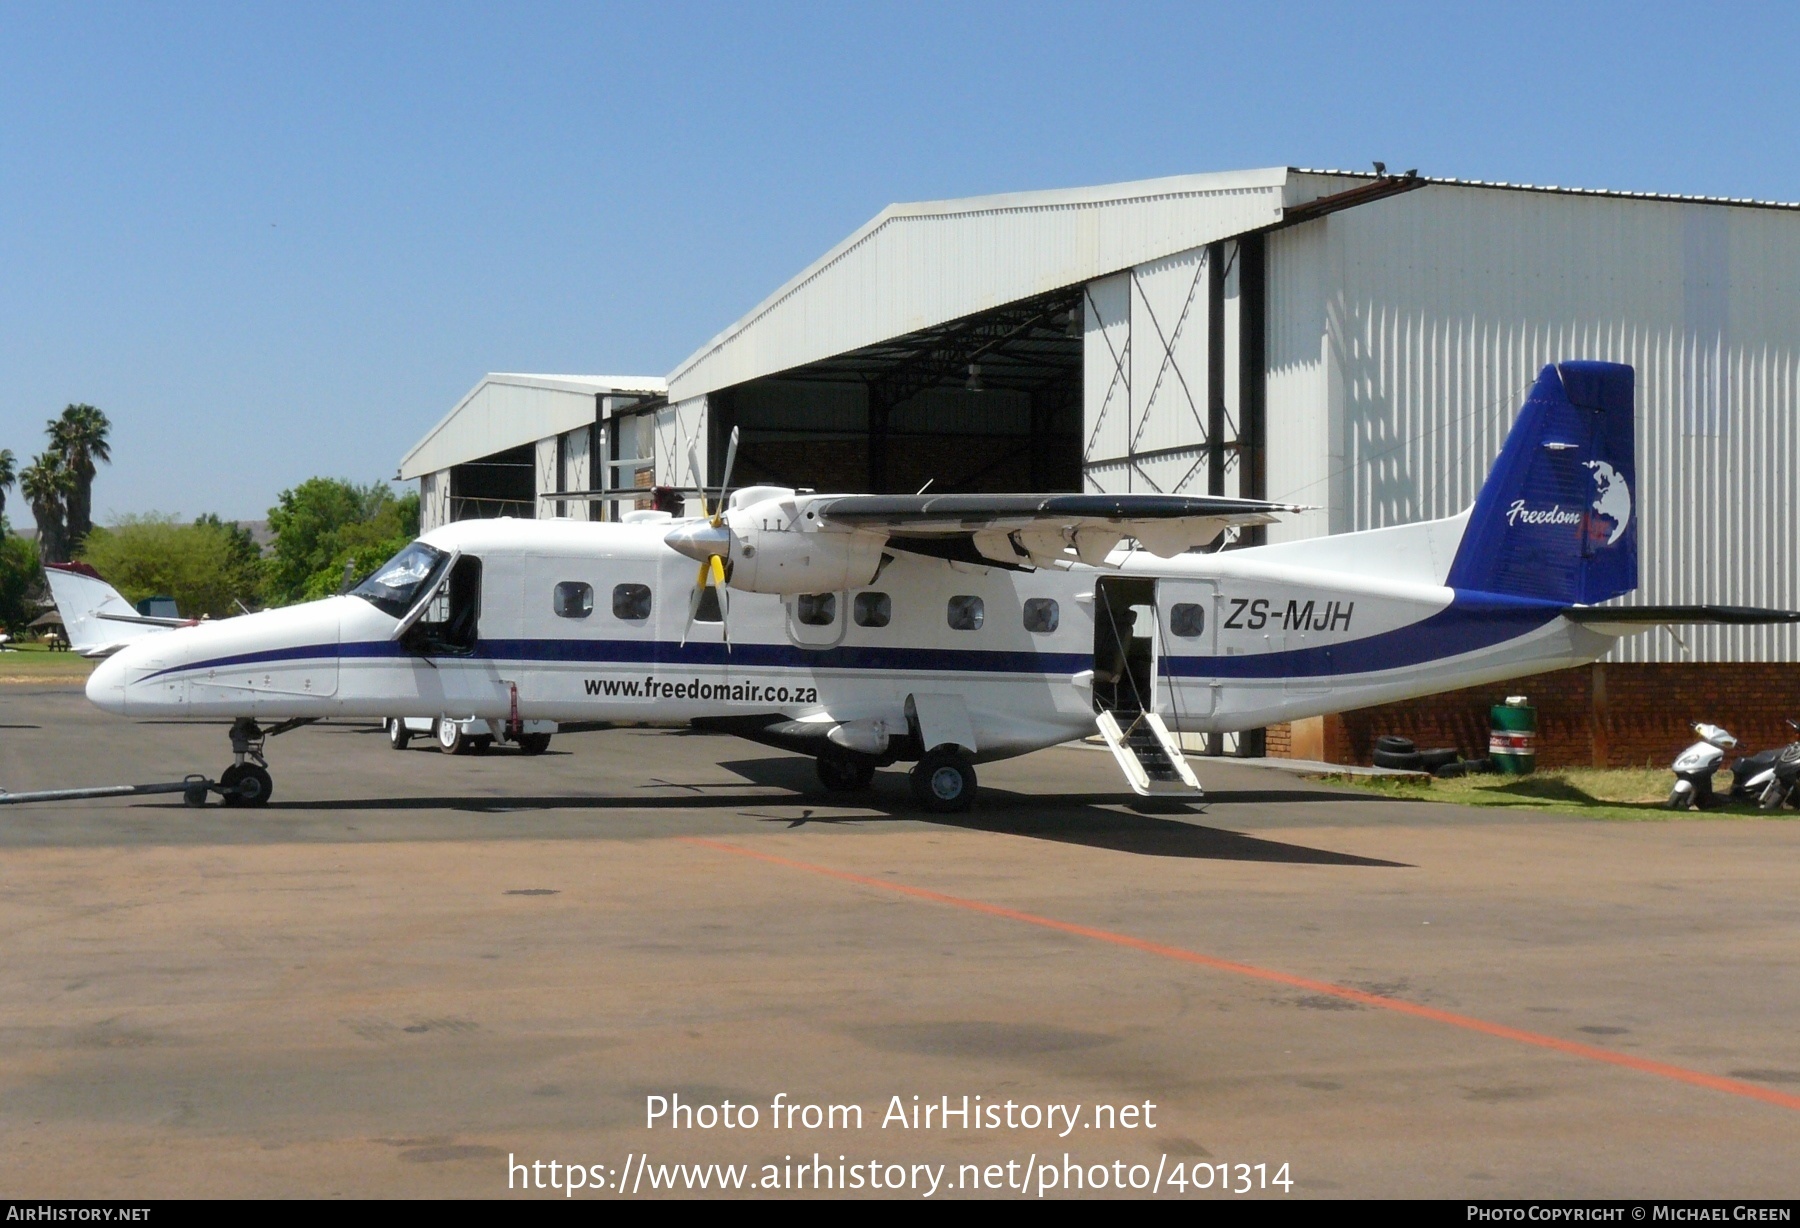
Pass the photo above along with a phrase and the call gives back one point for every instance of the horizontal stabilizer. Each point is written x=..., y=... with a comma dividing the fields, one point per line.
x=1662, y=615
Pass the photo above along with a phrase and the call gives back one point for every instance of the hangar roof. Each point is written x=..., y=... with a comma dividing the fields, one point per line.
x=915, y=266
x=505, y=410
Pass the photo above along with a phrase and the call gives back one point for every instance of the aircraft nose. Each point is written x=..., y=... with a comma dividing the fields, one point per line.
x=106, y=685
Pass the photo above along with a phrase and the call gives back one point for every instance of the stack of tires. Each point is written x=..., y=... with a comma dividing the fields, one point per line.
x=1397, y=752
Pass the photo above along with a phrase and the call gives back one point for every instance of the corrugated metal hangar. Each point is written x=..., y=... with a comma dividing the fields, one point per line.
x=1356, y=342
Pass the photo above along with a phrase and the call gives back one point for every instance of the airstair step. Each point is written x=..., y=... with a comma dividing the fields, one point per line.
x=1152, y=762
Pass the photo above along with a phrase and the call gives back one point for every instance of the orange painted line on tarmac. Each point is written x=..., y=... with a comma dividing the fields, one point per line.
x=1593, y=1053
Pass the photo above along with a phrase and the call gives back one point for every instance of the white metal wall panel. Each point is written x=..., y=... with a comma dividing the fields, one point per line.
x=575, y=469
x=509, y=411
x=1151, y=361
x=1168, y=354
x=677, y=426
x=544, y=465
x=922, y=264
x=434, y=500
x=1403, y=335
x=1106, y=369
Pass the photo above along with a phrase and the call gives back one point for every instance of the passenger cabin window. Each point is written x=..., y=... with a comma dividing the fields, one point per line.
x=873, y=609
x=816, y=609
x=573, y=599
x=1188, y=620
x=965, y=613
x=631, y=602
x=1042, y=615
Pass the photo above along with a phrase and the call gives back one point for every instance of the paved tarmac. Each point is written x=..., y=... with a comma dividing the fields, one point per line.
x=411, y=967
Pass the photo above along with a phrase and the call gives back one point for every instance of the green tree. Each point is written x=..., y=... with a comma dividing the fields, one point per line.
x=325, y=523
x=46, y=484
x=9, y=474
x=18, y=576
x=80, y=437
x=203, y=565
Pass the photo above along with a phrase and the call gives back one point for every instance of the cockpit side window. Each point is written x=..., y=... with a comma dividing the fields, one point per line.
x=450, y=626
x=400, y=581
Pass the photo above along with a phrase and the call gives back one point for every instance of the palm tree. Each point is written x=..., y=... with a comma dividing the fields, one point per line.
x=46, y=485
x=80, y=436
x=9, y=473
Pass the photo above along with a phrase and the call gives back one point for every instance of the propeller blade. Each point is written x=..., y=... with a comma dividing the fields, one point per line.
x=694, y=601
x=699, y=479
x=725, y=478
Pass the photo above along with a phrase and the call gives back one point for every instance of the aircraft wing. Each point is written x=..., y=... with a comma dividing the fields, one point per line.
x=1035, y=530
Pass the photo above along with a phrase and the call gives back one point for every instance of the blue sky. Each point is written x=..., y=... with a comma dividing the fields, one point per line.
x=278, y=241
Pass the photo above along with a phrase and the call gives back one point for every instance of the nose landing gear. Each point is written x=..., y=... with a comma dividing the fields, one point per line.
x=247, y=782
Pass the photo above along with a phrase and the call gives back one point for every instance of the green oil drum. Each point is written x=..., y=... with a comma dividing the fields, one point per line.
x=1512, y=738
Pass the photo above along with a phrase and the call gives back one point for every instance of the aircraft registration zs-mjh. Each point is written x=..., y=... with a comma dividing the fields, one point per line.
x=951, y=629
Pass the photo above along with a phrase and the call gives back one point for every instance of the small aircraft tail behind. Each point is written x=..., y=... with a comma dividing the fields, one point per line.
x=98, y=620
x=1554, y=520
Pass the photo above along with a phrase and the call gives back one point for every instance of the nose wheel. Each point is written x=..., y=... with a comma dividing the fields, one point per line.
x=247, y=782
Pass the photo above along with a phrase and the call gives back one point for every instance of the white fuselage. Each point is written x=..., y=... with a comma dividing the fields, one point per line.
x=1281, y=633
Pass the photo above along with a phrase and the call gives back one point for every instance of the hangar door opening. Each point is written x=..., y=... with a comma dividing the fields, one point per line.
x=989, y=402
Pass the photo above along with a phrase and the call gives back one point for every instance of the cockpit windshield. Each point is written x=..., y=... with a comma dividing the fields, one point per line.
x=401, y=581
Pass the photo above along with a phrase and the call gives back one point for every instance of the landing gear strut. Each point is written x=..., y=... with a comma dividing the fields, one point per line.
x=246, y=782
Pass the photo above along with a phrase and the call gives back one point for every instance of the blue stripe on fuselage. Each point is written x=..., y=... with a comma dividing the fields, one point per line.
x=1471, y=622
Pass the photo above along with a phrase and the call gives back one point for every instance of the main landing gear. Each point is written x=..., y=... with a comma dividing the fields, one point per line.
x=247, y=782
x=943, y=782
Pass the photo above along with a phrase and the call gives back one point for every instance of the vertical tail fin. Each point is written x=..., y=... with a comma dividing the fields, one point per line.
x=82, y=597
x=1555, y=518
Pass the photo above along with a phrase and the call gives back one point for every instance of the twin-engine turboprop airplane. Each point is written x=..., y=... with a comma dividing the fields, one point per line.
x=949, y=630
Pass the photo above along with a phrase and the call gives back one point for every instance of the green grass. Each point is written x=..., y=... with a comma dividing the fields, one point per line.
x=1610, y=793
x=36, y=663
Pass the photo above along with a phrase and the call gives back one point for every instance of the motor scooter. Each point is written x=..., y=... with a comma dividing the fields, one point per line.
x=1694, y=768
x=1769, y=777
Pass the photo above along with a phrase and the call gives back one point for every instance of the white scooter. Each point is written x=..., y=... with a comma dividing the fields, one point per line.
x=1694, y=768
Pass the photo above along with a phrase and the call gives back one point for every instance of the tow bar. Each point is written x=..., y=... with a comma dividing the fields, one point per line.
x=193, y=791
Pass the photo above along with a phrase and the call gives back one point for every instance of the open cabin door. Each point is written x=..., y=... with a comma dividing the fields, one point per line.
x=1124, y=644
x=1127, y=626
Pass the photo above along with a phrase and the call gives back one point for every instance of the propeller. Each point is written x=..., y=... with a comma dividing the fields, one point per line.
x=711, y=545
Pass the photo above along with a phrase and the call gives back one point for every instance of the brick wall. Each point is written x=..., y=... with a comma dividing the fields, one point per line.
x=1593, y=715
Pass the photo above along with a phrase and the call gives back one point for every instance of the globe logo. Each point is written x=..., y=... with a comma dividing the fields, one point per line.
x=1612, y=499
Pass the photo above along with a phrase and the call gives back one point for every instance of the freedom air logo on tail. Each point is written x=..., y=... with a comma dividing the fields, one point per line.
x=1554, y=520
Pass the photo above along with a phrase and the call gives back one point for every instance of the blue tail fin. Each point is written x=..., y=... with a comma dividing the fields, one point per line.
x=1555, y=518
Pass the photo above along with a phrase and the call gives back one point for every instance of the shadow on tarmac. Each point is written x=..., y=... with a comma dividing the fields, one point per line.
x=1088, y=820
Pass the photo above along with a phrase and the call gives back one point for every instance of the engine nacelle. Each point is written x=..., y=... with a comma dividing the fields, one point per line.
x=772, y=552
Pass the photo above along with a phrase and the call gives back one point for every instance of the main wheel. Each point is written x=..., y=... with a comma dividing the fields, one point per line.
x=1773, y=795
x=450, y=738
x=245, y=784
x=398, y=734
x=943, y=782
x=842, y=774
x=1679, y=798
x=533, y=743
